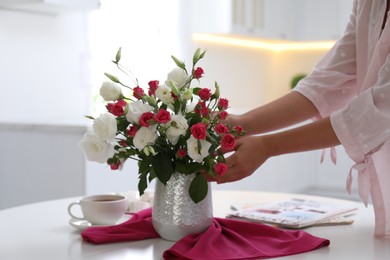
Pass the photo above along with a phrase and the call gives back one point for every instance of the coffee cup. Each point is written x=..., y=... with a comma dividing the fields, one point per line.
x=105, y=209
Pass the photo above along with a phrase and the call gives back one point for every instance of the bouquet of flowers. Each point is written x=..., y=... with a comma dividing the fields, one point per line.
x=173, y=127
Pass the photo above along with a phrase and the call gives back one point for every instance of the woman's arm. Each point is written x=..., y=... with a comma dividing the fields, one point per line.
x=252, y=151
x=285, y=111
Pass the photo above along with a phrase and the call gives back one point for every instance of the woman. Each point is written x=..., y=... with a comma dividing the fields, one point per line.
x=348, y=93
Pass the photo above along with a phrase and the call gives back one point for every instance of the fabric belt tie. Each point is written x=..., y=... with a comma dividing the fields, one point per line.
x=363, y=179
x=363, y=169
x=333, y=155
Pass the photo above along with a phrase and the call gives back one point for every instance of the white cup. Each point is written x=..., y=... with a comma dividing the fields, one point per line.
x=104, y=209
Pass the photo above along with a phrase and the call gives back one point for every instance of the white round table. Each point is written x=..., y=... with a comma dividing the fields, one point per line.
x=41, y=231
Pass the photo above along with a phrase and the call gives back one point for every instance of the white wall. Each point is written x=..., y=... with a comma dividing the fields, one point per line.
x=44, y=67
x=45, y=91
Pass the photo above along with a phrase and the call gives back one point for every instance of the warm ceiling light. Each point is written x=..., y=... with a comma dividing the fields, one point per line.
x=274, y=45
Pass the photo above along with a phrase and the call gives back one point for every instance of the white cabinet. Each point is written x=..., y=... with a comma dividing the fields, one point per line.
x=50, y=6
x=300, y=20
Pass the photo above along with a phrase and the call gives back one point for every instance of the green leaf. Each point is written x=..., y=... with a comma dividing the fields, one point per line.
x=152, y=174
x=196, y=90
x=122, y=124
x=198, y=188
x=144, y=166
x=188, y=168
x=163, y=167
x=90, y=117
x=142, y=183
x=176, y=106
x=199, y=145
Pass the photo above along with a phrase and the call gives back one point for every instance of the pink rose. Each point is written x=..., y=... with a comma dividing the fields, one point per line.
x=204, y=94
x=220, y=168
x=223, y=103
x=114, y=109
x=123, y=143
x=198, y=73
x=238, y=129
x=153, y=85
x=221, y=129
x=132, y=131
x=223, y=115
x=146, y=119
x=163, y=116
x=201, y=109
x=138, y=92
x=228, y=142
x=121, y=103
x=198, y=131
x=115, y=166
x=181, y=153
x=117, y=108
x=174, y=96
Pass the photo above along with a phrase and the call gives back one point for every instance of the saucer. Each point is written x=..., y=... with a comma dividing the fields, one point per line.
x=83, y=224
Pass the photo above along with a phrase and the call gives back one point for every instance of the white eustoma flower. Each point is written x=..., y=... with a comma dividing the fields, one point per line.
x=145, y=136
x=192, y=146
x=178, y=77
x=105, y=127
x=95, y=149
x=110, y=91
x=178, y=127
x=164, y=93
x=187, y=95
x=136, y=109
x=190, y=107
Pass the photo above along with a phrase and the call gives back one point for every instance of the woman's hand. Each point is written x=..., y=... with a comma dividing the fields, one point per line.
x=233, y=120
x=249, y=154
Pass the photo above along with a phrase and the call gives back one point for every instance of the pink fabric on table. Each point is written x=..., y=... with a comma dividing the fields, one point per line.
x=233, y=239
x=225, y=239
x=138, y=227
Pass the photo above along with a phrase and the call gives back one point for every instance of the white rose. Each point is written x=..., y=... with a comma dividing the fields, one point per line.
x=105, y=127
x=136, y=109
x=110, y=91
x=144, y=136
x=177, y=128
x=192, y=146
x=164, y=93
x=95, y=149
x=178, y=76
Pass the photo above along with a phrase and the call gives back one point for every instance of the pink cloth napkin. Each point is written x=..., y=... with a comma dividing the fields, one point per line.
x=138, y=227
x=225, y=239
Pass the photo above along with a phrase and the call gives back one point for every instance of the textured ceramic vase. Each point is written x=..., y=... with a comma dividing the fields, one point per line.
x=175, y=215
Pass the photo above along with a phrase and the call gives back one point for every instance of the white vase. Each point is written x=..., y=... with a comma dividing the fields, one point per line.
x=175, y=215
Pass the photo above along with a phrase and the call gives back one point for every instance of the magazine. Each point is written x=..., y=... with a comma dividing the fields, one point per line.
x=294, y=213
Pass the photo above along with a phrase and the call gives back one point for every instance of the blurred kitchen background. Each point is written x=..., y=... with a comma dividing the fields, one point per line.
x=53, y=54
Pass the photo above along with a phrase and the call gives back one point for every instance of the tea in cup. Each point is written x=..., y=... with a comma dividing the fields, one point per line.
x=104, y=209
